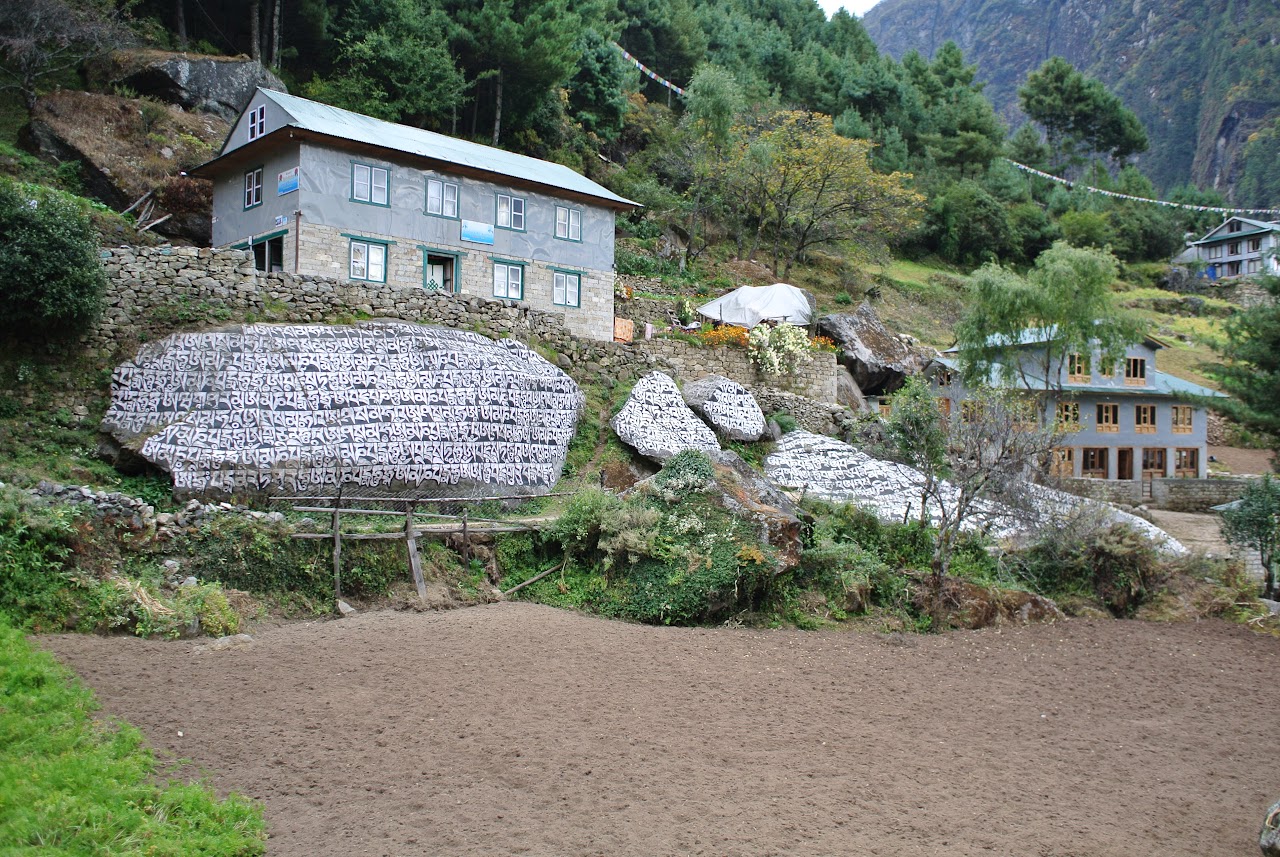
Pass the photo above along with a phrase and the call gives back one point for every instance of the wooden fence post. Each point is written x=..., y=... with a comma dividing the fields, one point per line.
x=415, y=562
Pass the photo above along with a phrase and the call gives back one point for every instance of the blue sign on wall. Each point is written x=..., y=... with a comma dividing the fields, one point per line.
x=287, y=182
x=477, y=232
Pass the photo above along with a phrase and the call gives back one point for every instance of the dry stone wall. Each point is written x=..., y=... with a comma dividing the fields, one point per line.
x=155, y=291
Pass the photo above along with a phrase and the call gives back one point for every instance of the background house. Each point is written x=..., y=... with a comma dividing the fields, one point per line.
x=1239, y=247
x=317, y=190
x=1124, y=422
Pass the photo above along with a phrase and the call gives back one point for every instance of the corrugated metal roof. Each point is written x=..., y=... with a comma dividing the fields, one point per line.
x=1038, y=336
x=356, y=127
x=1159, y=384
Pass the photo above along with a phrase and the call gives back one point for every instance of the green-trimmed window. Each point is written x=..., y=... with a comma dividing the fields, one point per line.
x=368, y=260
x=253, y=188
x=510, y=212
x=370, y=184
x=442, y=198
x=508, y=280
x=568, y=223
x=566, y=288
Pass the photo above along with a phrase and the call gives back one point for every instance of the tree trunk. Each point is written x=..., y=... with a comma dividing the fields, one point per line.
x=277, y=25
x=255, y=31
x=1269, y=591
x=180, y=22
x=497, y=107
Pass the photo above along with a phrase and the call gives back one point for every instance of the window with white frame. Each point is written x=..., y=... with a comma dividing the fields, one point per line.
x=1255, y=265
x=510, y=212
x=369, y=184
x=508, y=280
x=566, y=288
x=1215, y=252
x=368, y=261
x=442, y=198
x=257, y=122
x=568, y=223
x=253, y=188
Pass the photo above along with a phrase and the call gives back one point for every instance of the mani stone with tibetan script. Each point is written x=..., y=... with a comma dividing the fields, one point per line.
x=829, y=469
x=727, y=406
x=657, y=422
x=378, y=407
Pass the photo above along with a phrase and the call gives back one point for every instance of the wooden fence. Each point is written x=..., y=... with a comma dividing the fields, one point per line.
x=435, y=525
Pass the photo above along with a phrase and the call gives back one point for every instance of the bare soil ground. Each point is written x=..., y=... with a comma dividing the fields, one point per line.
x=1243, y=462
x=519, y=729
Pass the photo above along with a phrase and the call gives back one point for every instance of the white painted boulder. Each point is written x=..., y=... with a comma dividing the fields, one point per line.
x=657, y=423
x=726, y=406
x=381, y=406
x=832, y=470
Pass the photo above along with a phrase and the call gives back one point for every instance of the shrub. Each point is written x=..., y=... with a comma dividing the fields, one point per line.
x=1111, y=562
x=778, y=350
x=51, y=282
x=727, y=335
x=36, y=542
x=685, y=473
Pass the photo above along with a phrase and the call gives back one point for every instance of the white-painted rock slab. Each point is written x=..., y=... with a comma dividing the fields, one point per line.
x=381, y=406
x=829, y=469
x=727, y=406
x=657, y=423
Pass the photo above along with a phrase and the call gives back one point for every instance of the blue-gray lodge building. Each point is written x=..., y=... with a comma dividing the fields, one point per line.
x=1124, y=422
x=313, y=189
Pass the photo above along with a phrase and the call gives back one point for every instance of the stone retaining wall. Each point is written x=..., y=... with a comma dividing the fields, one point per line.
x=1175, y=495
x=1196, y=495
x=154, y=291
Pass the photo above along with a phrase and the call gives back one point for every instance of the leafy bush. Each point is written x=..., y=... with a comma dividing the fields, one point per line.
x=36, y=542
x=685, y=473
x=726, y=335
x=51, y=282
x=1111, y=562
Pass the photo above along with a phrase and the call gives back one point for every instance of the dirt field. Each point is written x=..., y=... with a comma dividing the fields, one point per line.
x=517, y=729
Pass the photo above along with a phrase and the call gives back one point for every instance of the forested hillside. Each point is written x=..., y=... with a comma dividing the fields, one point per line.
x=1203, y=75
x=766, y=83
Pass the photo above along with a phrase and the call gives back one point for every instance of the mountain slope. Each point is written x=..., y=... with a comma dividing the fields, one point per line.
x=1203, y=75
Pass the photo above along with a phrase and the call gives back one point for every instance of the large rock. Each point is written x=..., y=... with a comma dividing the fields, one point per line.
x=878, y=360
x=832, y=470
x=386, y=407
x=657, y=423
x=749, y=495
x=216, y=85
x=1269, y=836
x=727, y=406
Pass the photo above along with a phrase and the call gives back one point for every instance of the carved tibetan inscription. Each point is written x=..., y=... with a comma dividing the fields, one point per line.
x=386, y=406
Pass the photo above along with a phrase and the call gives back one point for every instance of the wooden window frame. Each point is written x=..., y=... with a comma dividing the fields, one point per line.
x=1183, y=421
x=1063, y=462
x=1078, y=369
x=1107, y=426
x=1144, y=419
x=1135, y=371
x=1180, y=470
x=1068, y=414
x=1103, y=452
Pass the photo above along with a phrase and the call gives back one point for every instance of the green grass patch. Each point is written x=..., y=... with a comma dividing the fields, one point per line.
x=75, y=785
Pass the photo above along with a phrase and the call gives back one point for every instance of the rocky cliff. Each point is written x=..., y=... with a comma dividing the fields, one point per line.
x=1203, y=75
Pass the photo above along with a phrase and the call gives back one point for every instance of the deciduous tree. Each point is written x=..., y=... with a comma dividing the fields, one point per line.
x=813, y=187
x=1254, y=522
x=1065, y=300
x=44, y=38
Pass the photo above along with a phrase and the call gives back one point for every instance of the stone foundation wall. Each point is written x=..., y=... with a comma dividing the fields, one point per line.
x=154, y=291
x=1195, y=495
x=1175, y=495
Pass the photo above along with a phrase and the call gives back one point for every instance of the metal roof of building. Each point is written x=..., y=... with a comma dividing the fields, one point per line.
x=1039, y=336
x=1158, y=384
x=356, y=127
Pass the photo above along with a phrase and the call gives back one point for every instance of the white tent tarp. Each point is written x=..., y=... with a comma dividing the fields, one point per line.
x=750, y=305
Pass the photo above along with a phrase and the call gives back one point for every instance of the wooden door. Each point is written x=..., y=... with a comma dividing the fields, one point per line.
x=1124, y=463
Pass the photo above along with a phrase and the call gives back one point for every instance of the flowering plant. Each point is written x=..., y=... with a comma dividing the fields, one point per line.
x=778, y=350
x=725, y=335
